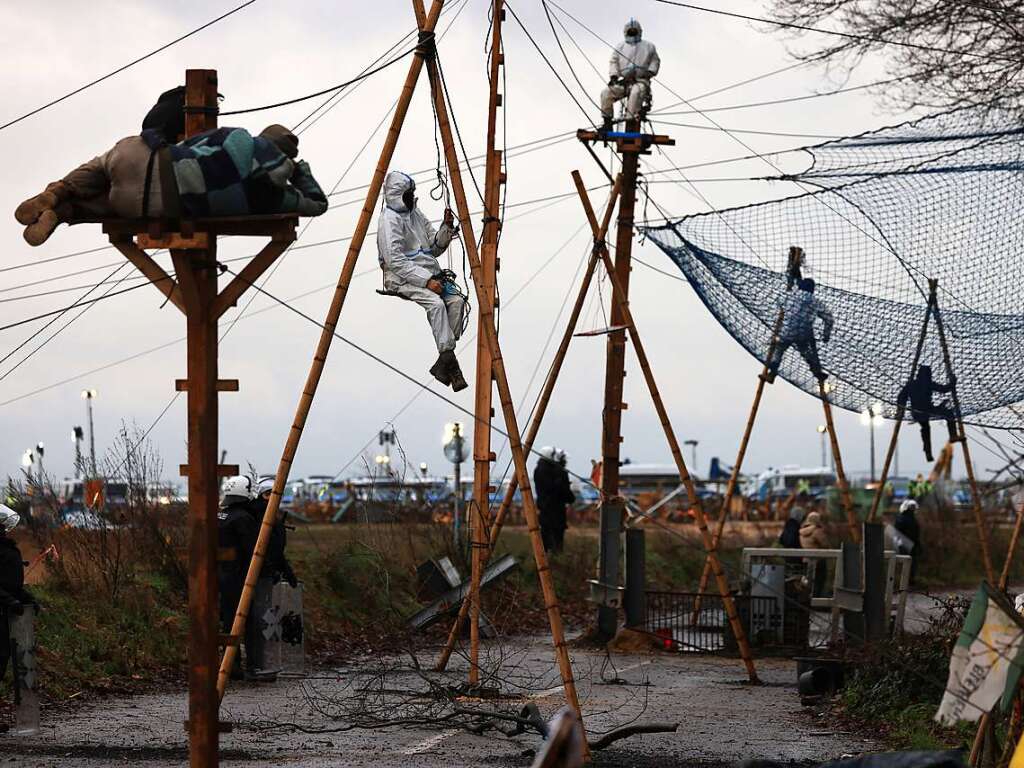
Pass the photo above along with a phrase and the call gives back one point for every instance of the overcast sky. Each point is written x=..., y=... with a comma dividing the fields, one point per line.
x=273, y=51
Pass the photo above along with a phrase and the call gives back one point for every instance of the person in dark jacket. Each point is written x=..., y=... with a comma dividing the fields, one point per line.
x=919, y=391
x=910, y=531
x=236, y=537
x=790, y=536
x=14, y=598
x=551, y=483
x=275, y=562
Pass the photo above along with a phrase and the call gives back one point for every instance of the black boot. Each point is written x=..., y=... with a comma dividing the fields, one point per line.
x=455, y=378
x=439, y=370
x=606, y=126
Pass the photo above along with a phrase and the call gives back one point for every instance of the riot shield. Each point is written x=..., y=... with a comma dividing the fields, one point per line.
x=26, y=673
x=288, y=645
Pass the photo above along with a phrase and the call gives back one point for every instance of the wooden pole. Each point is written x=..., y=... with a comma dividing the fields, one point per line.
x=901, y=408
x=323, y=348
x=979, y=518
x=844, y=486
x=483, y=410
x=504, y=395
x=684, y=475
x=197, y=275
x=1004, y=577
x=614, y=380
x=538, y=418
x=730, y=488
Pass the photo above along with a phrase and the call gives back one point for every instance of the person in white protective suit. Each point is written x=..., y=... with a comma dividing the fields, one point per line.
x=634, y=62
x=407, y=248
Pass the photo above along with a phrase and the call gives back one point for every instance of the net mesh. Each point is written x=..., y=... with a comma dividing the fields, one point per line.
x=879, y=215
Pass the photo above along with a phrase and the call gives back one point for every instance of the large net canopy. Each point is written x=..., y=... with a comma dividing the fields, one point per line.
x=880, y=214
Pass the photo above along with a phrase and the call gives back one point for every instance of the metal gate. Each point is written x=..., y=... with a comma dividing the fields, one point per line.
x=670, y=616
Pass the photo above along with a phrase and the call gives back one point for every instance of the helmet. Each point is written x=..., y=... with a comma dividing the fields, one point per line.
x=908, y=505
x=549, y=452
x=237, y=488
x=9, y=519
x=265, y=485
x=632, y=29
x=561, y=456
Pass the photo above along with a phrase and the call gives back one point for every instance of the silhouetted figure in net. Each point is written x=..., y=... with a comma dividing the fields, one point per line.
x=799, y=311
x=919, y=391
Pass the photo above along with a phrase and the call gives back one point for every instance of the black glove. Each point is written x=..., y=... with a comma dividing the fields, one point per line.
x=292, y=580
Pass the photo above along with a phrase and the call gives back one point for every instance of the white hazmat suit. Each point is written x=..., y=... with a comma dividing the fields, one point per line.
x=407, y=249
x=634, y=62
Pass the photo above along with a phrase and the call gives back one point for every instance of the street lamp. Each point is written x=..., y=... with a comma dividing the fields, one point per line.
x=77, y=435
x=822, y=431
x=89, y=395
x=423, y=469
x=871, y=417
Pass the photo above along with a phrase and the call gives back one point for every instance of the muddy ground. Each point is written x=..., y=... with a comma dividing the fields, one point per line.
x=721, y=718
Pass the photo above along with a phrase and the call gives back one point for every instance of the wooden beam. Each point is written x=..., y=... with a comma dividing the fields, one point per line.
x=164, y=283
x=252, y=271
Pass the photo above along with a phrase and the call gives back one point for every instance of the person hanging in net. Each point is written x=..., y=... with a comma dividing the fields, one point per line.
x=634, y=62
x=919, y=390
x=407, y=249
x=800, y=309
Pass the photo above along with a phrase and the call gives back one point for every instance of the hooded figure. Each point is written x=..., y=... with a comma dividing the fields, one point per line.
x=919, y=392
x=554, y=493
x=790, y=536
x=223, y=172
x=407, y=249
x=634, y=62
x=799, y=311
x=13, y=595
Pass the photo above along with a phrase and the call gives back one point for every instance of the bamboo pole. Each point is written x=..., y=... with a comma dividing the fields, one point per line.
x=979, y=519
x=504, y=395
x=730, y=488
x=320, y=355
x=841, y=481
x=673, y=442
x=901, y=408
x=538, y=418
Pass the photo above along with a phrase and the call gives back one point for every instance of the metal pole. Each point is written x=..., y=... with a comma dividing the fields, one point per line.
x=483, y=409
x=677, y=454
x=504, y=395
x=615, y=372
x=541, y=410
x=871, y=427
x=322, y=350
x=822, y=436
x=92, y=434
x=457, y=506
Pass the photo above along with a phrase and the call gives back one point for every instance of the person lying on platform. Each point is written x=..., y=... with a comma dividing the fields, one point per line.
x=407, y=250
x=222, y=172
x=634, y=62
x=918, y=390
x=799, y=310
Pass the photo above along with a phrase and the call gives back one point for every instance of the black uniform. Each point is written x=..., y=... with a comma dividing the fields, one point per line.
x=236, y=533
x=919, y=392
x=790, y=536
x=551, y=483
x=275, y=563
x=906, y=523
x=13, y=595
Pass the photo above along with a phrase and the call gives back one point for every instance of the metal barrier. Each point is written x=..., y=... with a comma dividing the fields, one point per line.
x=670, y=616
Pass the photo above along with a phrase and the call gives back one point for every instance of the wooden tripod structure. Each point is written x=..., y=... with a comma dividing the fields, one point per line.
x=194, y=291
x=961, y=436
x=423, y=58
x=730, y=489
x=599, y=254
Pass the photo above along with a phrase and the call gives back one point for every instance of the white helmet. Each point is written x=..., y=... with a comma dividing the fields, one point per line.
x=549, y=452
x=908, y=506
x=266, y=485
x=9, y=519
x=238, y=487
x=634, y=26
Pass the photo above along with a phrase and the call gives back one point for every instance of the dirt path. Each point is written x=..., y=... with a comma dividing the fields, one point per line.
x=722, y=720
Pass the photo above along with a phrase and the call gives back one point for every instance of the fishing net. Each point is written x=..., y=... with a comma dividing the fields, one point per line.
x=880, y=214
